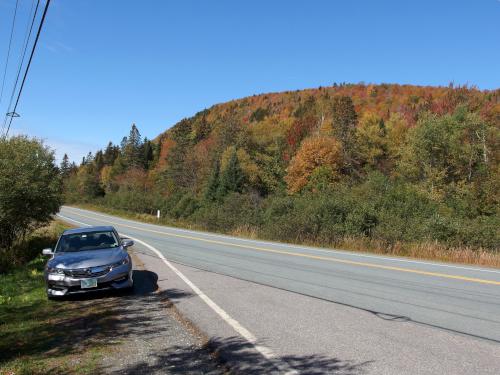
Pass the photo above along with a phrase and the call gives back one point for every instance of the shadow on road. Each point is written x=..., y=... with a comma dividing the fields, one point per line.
x=148, y=339
x=243, y=359
x=77, y=323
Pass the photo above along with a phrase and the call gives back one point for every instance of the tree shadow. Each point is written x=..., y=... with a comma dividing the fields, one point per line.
x=83, y=322
x=175, y=295
x=239, y=356
x=79, y=322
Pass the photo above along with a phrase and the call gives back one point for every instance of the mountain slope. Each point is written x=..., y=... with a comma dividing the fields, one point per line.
x=394, y=164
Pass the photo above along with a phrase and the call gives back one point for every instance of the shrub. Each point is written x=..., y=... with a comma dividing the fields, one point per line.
x=30, y=187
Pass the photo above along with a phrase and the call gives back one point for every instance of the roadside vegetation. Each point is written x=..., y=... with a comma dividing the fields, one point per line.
x=34, y=330
x=402, y=170
x=30, y=193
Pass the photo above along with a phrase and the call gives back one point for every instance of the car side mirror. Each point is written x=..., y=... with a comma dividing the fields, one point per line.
x=127, y=243
x=47, y=252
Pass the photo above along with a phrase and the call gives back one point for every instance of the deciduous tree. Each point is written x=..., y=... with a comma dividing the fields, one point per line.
x=30, y=187
x=314, y=152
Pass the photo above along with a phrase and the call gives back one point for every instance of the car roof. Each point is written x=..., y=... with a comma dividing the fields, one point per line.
x=89, y=229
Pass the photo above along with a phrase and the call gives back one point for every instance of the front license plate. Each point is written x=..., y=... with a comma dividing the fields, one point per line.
x=88, y=283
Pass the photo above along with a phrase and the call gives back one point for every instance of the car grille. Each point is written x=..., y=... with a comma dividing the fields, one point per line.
x=82, y=273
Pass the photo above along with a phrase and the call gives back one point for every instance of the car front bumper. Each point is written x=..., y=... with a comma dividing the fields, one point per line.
x=59, y=285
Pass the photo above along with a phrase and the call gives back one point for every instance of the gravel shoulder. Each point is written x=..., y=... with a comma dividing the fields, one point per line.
x=144, y=333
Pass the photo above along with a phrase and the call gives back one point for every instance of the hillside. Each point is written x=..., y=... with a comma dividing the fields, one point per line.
x=375, y=165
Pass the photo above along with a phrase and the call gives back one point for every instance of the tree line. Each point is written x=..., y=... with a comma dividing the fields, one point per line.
x=387, y=163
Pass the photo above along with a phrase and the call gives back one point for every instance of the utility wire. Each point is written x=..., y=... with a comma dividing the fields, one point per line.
x=8, y=50
x=26, y=41
x=29, y=64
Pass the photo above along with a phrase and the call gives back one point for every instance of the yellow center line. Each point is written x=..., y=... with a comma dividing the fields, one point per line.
x=309, y=256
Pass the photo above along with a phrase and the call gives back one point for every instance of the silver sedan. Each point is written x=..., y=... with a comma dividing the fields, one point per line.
x=88, y=259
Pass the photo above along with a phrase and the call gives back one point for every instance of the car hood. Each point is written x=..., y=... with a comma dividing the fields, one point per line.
x=85, y=259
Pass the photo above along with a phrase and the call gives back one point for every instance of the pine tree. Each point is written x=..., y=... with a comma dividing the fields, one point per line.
x=110, y=154
x=134, y=138
x=65, y=166
x=344, y=119
x=231, y=179
x=89, y=158
x=147, y=153
x=99, y=160
x=133, y=146
x=123, y=144
x=213, y=183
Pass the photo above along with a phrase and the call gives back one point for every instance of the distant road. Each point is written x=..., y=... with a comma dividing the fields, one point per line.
x=441, y=318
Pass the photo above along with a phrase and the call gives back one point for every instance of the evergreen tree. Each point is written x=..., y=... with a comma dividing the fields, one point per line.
x=344, y=127
x=202, y=129
x=110, y=154
x=99, y=160
x=213, y=183
x=147, y=153
x=89, y=158
x=132, y=151
x=231, y=179
x=123, y=144
x=65, y=167
x=134, y=138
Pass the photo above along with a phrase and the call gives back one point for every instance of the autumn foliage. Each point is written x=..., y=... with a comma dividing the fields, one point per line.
x=314, y=153
x=397, y=164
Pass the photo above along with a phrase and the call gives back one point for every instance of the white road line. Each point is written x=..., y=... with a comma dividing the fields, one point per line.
x=245, y=333
x=328, y=251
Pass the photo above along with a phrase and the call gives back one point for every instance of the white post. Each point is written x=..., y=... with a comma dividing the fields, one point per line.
x=158, y=214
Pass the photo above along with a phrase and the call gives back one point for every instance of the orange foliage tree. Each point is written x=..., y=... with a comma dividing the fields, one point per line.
x=314, y=152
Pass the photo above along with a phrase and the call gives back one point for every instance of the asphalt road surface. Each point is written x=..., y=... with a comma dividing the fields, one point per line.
x=278, y=308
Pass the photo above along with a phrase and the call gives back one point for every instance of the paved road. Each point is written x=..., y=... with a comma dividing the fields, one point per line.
x=348, y=313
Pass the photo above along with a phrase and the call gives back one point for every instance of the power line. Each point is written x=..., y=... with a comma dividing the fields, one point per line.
x=28, y=66
x=25, y=48
x=8, y=50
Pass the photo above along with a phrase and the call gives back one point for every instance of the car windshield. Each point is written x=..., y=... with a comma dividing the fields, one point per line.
x=87, y=241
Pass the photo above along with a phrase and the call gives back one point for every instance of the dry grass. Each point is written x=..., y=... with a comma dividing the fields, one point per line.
x=245, y=231
x=426, y=250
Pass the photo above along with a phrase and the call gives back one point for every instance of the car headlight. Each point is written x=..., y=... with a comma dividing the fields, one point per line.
x=55, y=270
x=125, y=260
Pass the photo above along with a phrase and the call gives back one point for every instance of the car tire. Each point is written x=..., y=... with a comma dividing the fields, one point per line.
x=130, y=289
x=51, y=297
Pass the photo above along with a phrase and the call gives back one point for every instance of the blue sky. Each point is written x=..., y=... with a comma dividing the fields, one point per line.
x=102, y=65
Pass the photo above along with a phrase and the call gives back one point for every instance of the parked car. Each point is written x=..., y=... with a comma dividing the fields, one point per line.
x=88, y=259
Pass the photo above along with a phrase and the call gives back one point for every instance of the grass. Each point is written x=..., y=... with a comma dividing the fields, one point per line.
x=28, y=248
x=433, y=251
x=33, y=330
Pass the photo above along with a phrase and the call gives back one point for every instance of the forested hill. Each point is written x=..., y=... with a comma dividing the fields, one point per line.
x=390, y=164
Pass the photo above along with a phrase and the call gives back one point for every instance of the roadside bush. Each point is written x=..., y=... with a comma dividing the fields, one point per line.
x=234, y=211
x=185, y=207
x=308, y=217
x=28, y=248
x=30, y=188
x=481, y=231
x=134, y=201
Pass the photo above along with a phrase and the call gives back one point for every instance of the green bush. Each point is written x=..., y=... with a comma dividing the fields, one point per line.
x=30, y=187
x=235, y=210
x=185, y=207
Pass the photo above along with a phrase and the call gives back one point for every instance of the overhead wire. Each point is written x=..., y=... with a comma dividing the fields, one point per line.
x=8, y=49
x=29, y=29
x=28, y=65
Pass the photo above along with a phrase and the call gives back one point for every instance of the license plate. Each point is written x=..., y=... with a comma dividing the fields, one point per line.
x=88, y=283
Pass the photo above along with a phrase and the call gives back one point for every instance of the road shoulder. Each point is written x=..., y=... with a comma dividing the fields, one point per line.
x=153, y=337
